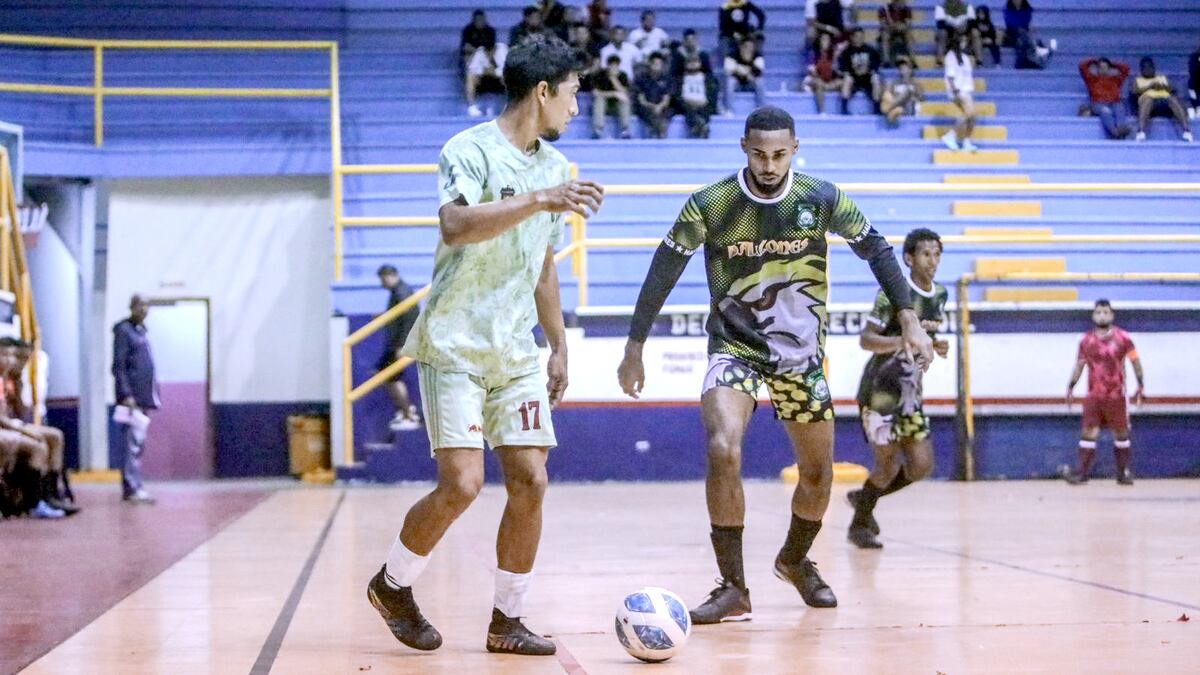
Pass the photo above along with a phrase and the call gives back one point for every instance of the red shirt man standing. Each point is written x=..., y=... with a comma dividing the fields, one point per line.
x=1103, y=351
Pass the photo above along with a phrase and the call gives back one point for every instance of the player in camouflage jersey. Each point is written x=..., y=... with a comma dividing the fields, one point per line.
x=503, y=192
x=763, y=232
x=889, y=395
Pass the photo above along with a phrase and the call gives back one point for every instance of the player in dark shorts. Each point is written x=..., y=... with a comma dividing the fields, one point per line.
x=763, y=232
x=889, y=395
x=1104, y=350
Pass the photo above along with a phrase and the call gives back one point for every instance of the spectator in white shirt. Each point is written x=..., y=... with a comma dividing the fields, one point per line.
x=622, y=49
x=960, y=86
x=648, y=38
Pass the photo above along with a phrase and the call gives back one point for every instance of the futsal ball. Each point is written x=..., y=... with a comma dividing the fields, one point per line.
x=653, y=624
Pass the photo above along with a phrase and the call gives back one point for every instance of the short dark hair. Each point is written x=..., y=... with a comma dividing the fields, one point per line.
x=478, y=12
x=770, y=118
x=612, y=58
x=1104, y=59
x=854, y=29
x=647, y=12
x=657, y=55
x=689, y=31
x=530, y=9
x=387, y=268
x=537, y=59
x=1102, y=303
x=1146, y=60
x=914, y=238
x=620, y=27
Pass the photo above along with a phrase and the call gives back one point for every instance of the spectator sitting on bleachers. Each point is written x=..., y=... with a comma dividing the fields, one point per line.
x=859, y=64
x=744, y=72
x=1031, y=53
x=1104, y=80
x=611, y=95
x=599, y=20
x=955, y=17
x=530, y=26
x=653, y=88
x=484, y=59
x=18, y=354
x=648, y=38
x=697, y=97
x=26, y=458
x=554, y=17
x=822, y=72
x=902, y=94
x=826, y=17
x=960, y=87
x=895, y=23
x=737, y=20
x=1194, y=84
x=689, y=48
x=626, y=53
x=1156, y=97
x=988, y=38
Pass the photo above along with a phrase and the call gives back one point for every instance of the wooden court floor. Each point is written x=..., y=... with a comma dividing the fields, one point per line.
x=1005, y=577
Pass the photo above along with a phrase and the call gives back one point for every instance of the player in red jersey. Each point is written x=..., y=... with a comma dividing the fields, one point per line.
x=1104, y=350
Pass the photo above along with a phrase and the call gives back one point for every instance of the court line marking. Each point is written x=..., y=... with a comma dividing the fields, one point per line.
x=270, y=649
x=567, y=660
x=1051, y=575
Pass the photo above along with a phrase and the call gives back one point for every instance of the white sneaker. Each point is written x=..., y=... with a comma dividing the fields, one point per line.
x=1192, y=113
x=1141, y=136
x=44, y=510
x=140, y=497
x=474, y=111
x=949, y=140
x=969, y=146
x=1187, y=136
x=405, y=422
x=1053, y=45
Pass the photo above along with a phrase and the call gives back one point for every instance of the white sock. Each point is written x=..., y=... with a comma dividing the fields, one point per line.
x=510, y=592
x=403, y=566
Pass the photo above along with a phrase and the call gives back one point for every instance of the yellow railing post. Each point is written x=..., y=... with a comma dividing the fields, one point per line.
x=335, y=153
x=98, y=100
x=964, y=360
x=347, y=407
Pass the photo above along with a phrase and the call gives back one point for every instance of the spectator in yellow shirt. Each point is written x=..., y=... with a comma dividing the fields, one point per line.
x=1156, y=98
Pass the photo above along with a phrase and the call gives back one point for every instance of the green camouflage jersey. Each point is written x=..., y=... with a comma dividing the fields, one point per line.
x=891, y=383
x=766, y=261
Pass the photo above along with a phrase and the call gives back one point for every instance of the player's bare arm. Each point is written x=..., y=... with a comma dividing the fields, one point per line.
x=1139, y=396
x=463, y=223
x=872, y=340
x=1075, y=375
x=549, y=311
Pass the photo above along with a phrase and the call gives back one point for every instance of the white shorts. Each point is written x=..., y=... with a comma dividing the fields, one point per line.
x=478, y=62
x=464, y=410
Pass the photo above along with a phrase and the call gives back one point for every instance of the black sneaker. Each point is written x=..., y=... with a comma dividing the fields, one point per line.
x=726, y=602
x=1073, y=478
x=863, y=537
x=1123, y=478
x=852, y=497
x=401, y=614
x=510, y=636
x=803, y=575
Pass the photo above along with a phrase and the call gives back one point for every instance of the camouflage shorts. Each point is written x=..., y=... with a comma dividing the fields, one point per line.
x=887, y=429
x=796, y=397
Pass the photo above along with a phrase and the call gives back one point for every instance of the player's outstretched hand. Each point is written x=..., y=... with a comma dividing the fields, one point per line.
x=579, y=196
x=556, y=383
x=942, y=347
x=1139, y=397
x=631, y=374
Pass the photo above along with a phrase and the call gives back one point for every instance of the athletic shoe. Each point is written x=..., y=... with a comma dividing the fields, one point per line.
x=852, y=497
x=1125, y=477
x=139, y=497
x=803, y=575
x=1187, y=136
x=969, y=146
x=510, y=636
x=401, y=614
x=1192, y=113
x=404, y=422
x=45, y=511
x=1141, y=136
x=862, y=537
x=474, y=111
x=950, y=141
x=1073, y=478
x=726, y=602
x=68, y=508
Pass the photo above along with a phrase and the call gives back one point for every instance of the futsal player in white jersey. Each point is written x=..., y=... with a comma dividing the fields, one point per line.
x=504, y=192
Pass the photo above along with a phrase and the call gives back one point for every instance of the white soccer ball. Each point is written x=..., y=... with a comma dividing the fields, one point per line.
x=653, y=624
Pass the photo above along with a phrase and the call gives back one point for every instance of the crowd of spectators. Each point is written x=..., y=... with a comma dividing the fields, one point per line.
x=649, y=74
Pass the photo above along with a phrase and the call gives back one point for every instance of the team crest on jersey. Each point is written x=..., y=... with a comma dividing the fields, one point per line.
x=507, y=192
x=817, y=387
x=806, y=217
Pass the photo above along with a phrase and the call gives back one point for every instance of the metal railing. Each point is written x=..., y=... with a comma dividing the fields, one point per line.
x=965, y=401
x=14, y=275
x=98, y=91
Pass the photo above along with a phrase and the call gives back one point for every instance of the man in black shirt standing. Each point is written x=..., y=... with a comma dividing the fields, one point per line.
x=406, y=418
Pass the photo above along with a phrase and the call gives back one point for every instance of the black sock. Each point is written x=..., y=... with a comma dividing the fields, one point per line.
x=898, y=483
x=799, y=539
x=867, y=496
x=727, y=544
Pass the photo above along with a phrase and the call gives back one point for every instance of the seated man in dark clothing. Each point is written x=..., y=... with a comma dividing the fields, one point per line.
x=738, y=20
x=690, y=47
x=611, y=95
x=530, y=26
x=1194, y=84
x=697, y=96
x=653, y=89
x=859, y=64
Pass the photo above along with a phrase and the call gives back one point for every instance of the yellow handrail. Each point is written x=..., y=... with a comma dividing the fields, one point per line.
x=964, y=328
x=14, y=274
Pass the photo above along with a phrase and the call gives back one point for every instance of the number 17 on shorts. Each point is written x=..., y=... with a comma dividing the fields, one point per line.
x=464, y=410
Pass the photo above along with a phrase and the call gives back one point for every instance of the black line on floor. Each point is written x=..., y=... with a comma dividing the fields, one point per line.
x=1051, y=575
x=270, y=648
